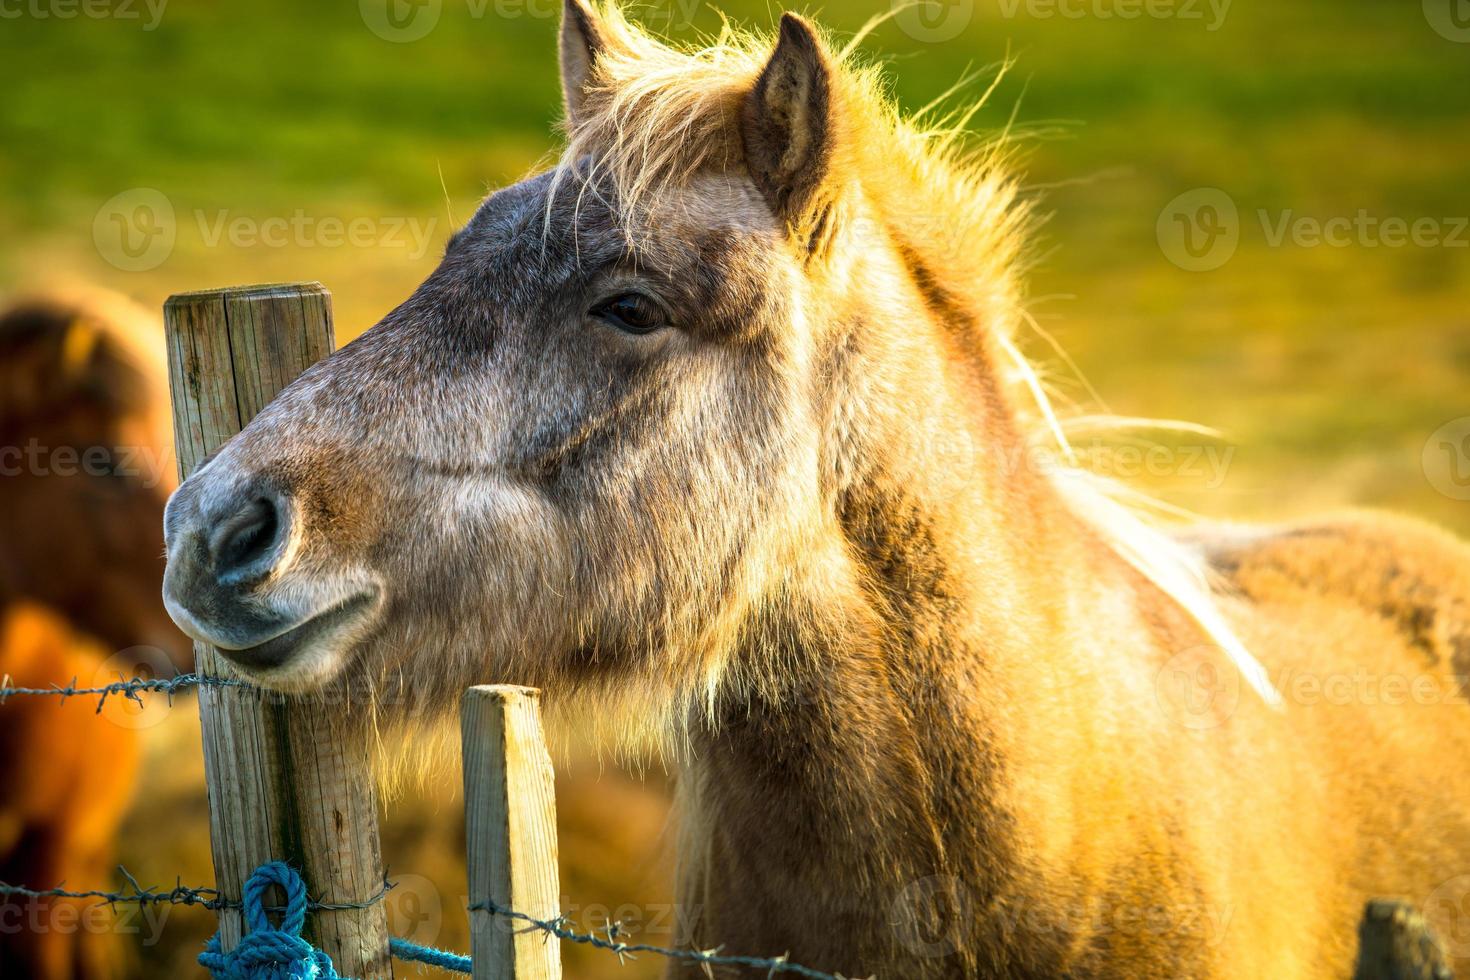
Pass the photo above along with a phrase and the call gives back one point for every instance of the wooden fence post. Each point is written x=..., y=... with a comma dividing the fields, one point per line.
x=1394, y=943
x=510, y=818
x=281, y=787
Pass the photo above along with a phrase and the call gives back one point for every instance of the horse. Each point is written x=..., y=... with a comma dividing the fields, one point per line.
x=719, y=430
x=84, y=454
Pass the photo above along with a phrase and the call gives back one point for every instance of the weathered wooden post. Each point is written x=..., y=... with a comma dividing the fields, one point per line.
x=1394, y=943
x=280, y=786
x=510, y=817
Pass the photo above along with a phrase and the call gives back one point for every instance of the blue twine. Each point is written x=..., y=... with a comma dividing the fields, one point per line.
x=443, y=959
x=269, y=952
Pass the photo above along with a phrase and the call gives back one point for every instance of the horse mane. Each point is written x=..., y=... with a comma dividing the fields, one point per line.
x=654, y=114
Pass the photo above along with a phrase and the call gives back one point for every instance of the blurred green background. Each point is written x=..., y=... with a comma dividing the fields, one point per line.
x=221, y=143
x=1327, y=366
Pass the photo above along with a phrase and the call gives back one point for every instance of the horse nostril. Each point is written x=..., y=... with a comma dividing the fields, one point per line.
x=244, y=544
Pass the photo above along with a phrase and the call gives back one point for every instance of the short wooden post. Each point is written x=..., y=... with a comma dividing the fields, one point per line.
x=281, y=787
x=1394, y=943
x=510, y=816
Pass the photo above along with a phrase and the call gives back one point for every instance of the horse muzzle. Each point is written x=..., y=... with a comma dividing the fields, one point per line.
x=230, y=554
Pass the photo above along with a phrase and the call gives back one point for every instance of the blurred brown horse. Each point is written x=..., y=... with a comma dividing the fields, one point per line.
x=85, y=468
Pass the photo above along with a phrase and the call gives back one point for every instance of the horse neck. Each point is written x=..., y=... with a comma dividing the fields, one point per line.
x=931, y=610
x=958, y=547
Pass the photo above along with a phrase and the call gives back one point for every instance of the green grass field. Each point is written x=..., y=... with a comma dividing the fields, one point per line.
x=1329, y=366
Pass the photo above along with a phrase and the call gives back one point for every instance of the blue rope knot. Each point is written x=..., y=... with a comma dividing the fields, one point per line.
x=268, y=952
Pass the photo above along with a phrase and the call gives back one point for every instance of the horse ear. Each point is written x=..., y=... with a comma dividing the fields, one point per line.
x=582, y=42
x=787, y=120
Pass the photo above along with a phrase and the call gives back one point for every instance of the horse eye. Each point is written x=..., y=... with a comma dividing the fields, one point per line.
x=632, y=313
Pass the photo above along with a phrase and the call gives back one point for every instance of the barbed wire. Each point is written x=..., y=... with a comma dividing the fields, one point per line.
x=210, y=898
x=181, y=894
x=132, y=688
x=706, y=957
